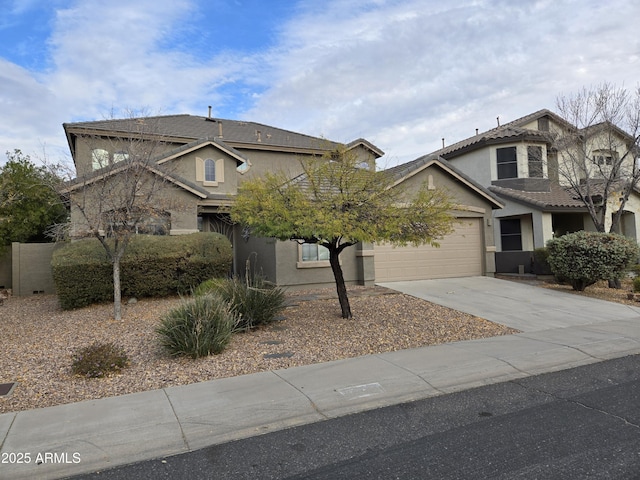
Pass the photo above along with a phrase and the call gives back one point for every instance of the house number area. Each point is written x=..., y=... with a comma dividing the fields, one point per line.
x=39, y=458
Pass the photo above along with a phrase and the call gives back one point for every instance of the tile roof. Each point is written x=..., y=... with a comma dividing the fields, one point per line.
x=512, y=130
x=557, y=198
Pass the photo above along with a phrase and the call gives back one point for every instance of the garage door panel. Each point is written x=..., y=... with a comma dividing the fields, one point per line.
x=459, y=254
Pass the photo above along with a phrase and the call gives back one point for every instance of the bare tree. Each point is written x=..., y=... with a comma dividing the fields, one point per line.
x=598, y=153
x=120, y=190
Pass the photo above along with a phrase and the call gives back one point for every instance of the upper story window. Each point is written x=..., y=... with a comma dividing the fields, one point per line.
x=534, y=157
x=603, y=157
x=209, y=170
x=119, y=156
x=99, y=158
x=507, y=160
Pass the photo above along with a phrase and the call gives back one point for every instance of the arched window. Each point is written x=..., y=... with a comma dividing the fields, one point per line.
x=209, y=170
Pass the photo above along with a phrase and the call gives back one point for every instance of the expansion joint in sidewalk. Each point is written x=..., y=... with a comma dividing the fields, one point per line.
x=311, y=402
x=184, y=437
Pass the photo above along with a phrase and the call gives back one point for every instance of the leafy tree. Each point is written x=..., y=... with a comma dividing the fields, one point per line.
x=28, y=203
x=336, y=203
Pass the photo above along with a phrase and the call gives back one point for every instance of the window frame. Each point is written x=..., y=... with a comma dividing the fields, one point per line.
x=201, y=170
x=507, y=167
x=120, y=155
x=98, y=163
x=603, y=158
x=535, y=165
x=210, y=168
x=515, y=235
x=318, y=261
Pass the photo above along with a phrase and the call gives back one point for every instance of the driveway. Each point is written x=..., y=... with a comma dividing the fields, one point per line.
x=525, y=307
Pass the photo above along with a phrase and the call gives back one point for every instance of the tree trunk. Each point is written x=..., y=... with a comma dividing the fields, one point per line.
x=334, y=260
x=117, y=295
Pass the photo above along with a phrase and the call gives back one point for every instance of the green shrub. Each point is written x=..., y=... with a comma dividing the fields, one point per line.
x=583, y=258
x=636, y=284
x=255, y=300
x=99, y=360
x=201, y=326
x=153, y=266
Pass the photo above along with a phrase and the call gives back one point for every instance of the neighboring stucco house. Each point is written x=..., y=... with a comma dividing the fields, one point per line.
x=521, y=164
x=211, y=157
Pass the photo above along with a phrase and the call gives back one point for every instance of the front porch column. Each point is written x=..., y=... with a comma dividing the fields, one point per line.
x=542, y=229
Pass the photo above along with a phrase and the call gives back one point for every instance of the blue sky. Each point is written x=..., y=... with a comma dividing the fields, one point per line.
x=401, y=73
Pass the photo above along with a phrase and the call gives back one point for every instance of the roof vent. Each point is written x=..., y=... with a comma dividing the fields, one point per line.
x=209, y=118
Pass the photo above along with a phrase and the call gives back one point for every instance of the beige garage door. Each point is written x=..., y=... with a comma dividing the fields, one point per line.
x=459, y=255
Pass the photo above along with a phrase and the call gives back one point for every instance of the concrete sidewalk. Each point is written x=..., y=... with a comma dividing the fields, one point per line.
x=560, y=331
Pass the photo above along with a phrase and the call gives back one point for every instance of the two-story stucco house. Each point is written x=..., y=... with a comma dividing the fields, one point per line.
x=211, y=157
x=522, y=163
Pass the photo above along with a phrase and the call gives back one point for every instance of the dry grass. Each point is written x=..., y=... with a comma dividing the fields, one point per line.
x=38, y=340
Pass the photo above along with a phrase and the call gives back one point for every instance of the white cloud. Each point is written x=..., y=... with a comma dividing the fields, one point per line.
x=401, y=73
x=405, y=74
x=109, y=56
x=28, y=109
x=119, y=54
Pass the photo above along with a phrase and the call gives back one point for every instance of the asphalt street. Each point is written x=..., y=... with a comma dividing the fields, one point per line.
x=573, y=424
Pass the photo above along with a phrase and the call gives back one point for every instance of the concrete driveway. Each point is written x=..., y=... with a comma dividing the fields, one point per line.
x=525, y=307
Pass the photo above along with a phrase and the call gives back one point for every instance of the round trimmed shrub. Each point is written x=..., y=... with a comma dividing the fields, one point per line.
x=201, y=326
x=583, y=258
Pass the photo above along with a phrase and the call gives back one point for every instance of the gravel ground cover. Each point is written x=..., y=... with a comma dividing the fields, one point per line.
x=602, y=291
x=37, y=341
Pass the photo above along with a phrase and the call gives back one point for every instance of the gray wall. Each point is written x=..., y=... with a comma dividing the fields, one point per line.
x=260, y=253
x=31, y=268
